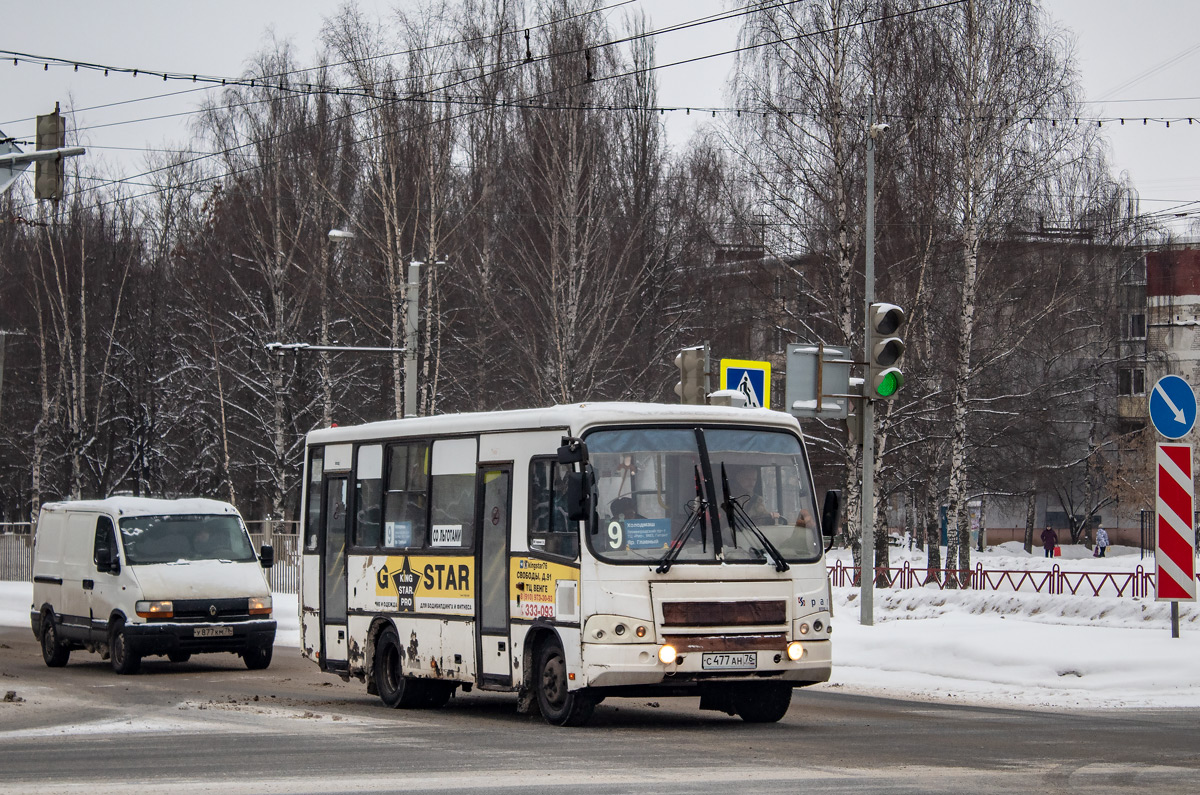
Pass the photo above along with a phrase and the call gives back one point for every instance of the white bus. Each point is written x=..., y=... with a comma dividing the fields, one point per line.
x=567, y=554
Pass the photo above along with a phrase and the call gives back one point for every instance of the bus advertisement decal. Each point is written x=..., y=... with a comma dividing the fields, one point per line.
x=430, y=584
x=533, y=584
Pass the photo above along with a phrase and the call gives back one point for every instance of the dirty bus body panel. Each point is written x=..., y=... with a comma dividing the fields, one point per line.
x=566, y=554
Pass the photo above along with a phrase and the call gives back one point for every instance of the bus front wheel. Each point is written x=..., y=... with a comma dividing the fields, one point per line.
x=395, y=689
x=762, y=702
x=559, y=705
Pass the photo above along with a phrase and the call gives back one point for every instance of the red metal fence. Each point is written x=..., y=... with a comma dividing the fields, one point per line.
x=1137, y=584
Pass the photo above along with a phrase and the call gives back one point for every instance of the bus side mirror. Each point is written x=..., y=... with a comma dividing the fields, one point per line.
x=573, y=451
x=579, y=497
x=266, y=555
x=829, y=512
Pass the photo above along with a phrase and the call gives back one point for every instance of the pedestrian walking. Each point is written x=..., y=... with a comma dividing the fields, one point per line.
x=1049, y=541
x=1101, y=541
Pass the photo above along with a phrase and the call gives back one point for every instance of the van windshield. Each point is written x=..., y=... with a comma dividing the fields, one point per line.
x=175, y=537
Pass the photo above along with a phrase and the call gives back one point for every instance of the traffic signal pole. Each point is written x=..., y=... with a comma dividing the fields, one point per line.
x=866, y=578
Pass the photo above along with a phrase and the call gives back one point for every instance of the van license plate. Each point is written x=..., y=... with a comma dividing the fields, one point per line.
x=212, y=632
x=729, y=662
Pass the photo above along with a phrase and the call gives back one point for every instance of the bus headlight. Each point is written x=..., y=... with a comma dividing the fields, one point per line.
x=667, y=654
x=259, y=605
x=795, y=651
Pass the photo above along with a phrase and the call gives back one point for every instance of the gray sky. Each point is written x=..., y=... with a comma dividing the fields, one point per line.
x=1138, y=58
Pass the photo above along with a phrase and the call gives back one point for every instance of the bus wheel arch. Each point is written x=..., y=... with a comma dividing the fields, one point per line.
x=559, y=705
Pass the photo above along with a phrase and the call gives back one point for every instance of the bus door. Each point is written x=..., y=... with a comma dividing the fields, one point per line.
x=494, y=513
x=335, y=488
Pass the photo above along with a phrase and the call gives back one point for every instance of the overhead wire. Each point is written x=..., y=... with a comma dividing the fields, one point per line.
x=717, y=17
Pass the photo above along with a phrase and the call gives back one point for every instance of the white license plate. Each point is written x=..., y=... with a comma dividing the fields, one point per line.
x=212, y=632
x=729, y=662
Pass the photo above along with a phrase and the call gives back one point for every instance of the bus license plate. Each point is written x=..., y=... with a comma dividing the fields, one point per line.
x=212, y=632
x=725, y=661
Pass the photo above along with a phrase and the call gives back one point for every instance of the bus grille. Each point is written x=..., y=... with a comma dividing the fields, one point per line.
x=724, y=614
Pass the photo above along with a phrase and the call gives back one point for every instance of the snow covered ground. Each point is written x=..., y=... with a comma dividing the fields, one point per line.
x=1029, y=650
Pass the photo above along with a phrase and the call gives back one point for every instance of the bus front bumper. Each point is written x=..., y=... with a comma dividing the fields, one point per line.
x=616, y=665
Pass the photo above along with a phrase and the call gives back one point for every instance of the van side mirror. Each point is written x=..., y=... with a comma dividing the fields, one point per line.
x=266, y=556
x=579, y=497
x=829, y=513
x=105, y=561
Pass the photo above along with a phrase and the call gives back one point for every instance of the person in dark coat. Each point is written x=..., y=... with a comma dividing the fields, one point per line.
x=1049, y=541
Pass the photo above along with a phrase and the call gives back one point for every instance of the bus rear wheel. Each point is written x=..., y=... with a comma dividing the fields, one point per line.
x=395, y=689
x=762, y=702
x=560, y=706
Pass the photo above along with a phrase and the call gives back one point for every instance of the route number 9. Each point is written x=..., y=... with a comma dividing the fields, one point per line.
x=616, y=535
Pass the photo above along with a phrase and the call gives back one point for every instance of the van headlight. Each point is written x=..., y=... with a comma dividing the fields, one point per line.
x=260, y=605
x=160, y=609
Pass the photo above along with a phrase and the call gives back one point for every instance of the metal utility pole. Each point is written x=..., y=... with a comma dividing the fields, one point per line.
x=866, y=578
x=410, y=340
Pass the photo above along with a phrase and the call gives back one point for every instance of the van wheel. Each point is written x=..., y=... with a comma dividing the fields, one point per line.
x=257, y=657
x=53, y=651
x=762, y=702
x=179, y=656
x=559, y=705
x=395, y=689
x=124, y=661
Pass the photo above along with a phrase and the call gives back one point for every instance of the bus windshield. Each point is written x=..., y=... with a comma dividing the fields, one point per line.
x=646, y=490
x=184, y=537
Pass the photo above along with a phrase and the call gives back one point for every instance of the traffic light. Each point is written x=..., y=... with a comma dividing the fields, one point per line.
x=884, y=350
x=692, y=371
x=48, y=174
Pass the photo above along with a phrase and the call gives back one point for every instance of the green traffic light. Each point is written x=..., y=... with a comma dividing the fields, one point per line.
x=889, y=383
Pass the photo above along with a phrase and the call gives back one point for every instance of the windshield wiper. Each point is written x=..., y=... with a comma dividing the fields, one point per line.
x=698, y=516
x=739, y=518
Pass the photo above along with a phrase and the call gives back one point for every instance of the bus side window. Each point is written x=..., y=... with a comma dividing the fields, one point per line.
x=549, y=529
x=316, y=470
x=405, y=508
x=368, y=485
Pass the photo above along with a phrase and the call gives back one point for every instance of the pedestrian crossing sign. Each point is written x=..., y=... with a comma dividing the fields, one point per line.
x=753, y=379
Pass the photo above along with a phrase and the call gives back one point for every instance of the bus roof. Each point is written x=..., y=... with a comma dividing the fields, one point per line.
x=575, y=418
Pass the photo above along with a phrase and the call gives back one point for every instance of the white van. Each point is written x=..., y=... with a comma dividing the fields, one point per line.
x=129, y=577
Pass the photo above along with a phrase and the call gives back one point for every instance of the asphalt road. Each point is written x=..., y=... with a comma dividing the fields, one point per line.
x=209, y=725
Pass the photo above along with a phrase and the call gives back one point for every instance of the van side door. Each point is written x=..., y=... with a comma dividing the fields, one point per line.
x=78, y=576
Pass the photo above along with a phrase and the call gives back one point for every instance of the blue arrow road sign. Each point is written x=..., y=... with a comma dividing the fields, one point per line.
x=1173, y=406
